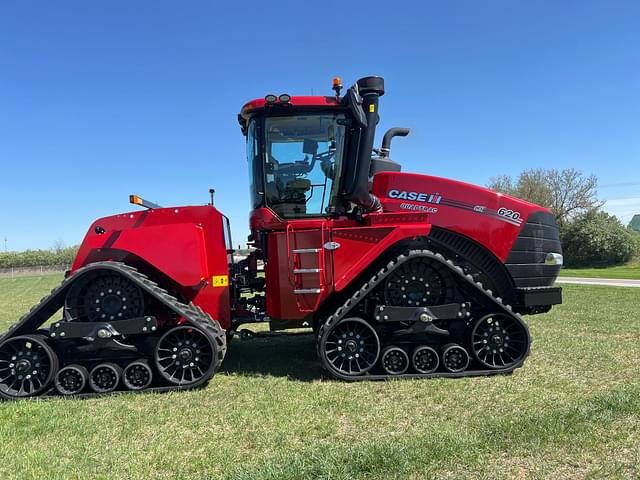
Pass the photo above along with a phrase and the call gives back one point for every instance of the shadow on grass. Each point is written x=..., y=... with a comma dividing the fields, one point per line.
x=289, y=355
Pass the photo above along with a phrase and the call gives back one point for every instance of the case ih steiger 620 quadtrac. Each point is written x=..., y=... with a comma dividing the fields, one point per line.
x=398, y=274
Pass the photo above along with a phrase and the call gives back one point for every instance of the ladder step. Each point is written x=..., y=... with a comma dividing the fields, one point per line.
x=306, y=270
x=307, y=250
x=306, y=290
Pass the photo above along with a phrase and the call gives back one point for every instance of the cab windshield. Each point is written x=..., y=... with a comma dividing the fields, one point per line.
x=302, y=158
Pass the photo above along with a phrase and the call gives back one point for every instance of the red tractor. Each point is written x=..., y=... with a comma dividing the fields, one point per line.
x=397, y=274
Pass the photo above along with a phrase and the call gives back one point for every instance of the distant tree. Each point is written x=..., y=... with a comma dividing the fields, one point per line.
x=598, y=239
x=58, y=246
x=568, y=193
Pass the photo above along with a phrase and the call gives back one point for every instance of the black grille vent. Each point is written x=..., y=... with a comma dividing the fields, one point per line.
x=538, y=237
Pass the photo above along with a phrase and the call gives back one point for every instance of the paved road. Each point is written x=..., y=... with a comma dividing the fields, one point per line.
x=612, y=282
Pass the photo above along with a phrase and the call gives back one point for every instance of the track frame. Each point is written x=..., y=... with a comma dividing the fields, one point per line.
x=188, y=314
x=342, y=313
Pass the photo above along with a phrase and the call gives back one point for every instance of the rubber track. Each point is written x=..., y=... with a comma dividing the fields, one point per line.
x=341, y=313
x=50, y=304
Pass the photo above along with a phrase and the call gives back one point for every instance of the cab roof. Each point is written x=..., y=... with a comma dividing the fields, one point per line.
x=259, y=104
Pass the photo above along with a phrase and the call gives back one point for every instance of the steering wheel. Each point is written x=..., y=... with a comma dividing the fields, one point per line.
x=324, y=156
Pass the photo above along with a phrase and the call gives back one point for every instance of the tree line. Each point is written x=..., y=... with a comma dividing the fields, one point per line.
x=36, y=258
x=590, y=236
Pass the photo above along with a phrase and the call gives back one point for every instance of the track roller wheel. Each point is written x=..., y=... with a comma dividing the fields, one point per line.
x=425, y=359
x=350, y=347
x=499, y=341
x=27, y=366
x=71, y=379
x=394, y=360
x=137, y=375
x=455, y=358
x=105, y=377
x=186, y=356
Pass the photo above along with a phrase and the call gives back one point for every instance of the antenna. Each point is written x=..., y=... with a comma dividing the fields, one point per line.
x=212, y=192
x=5, y=244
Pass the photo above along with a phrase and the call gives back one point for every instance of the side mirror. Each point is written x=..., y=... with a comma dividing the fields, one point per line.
x=354, y=102
x=310, y=147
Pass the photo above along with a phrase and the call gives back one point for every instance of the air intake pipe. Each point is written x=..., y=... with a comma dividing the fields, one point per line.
x=370, y=89
x=386, y=140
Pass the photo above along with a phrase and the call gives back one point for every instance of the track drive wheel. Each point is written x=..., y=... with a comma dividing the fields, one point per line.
x=27, y=366
x=349, y=348
x=186, y=356
x=418, y=283
x=498, y=341
x=103, y=296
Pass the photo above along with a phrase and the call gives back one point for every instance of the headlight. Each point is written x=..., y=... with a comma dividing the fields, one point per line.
x=553, y=259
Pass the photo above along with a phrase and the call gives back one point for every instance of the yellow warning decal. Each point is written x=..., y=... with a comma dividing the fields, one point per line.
x=372, y=108
x=220, y=281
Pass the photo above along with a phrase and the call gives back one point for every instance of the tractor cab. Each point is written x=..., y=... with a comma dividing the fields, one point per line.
x=296, y=162
x=311, y=156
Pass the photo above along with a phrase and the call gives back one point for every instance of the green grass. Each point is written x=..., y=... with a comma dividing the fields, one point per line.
x=573, y=411
x=629, y=271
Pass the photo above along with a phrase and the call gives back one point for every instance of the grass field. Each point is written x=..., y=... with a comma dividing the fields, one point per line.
x=573, y=411
x=630, y=271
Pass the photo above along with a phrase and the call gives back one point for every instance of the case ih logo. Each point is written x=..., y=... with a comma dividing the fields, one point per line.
x=434, y=198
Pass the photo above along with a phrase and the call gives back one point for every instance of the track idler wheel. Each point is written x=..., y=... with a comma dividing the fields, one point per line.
x=71, y=379
x=349, y=348
x=454, y=358
x=104, y=378
x=425, y=359
x=137, y=375
x=27, y=366
x=394, y=360
x=499, y=341
x=186, y=356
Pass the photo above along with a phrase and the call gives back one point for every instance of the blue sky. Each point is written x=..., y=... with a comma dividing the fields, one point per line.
x=102, y=99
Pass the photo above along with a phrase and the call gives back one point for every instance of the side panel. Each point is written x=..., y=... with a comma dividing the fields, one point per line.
x=186, y=244
x=358, y=248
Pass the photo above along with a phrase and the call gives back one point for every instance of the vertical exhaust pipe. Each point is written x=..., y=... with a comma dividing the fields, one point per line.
x=370, y=89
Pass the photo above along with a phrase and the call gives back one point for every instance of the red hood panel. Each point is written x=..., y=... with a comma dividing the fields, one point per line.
x=492, y=219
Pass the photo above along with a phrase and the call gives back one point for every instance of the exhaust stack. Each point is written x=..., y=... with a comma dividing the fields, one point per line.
x=386, y=140
x=370, y=89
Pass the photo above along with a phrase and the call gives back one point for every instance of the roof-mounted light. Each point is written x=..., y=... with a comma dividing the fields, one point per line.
x=337, y=85
x=285, y=98
x=270, y=99
x=136, y=200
